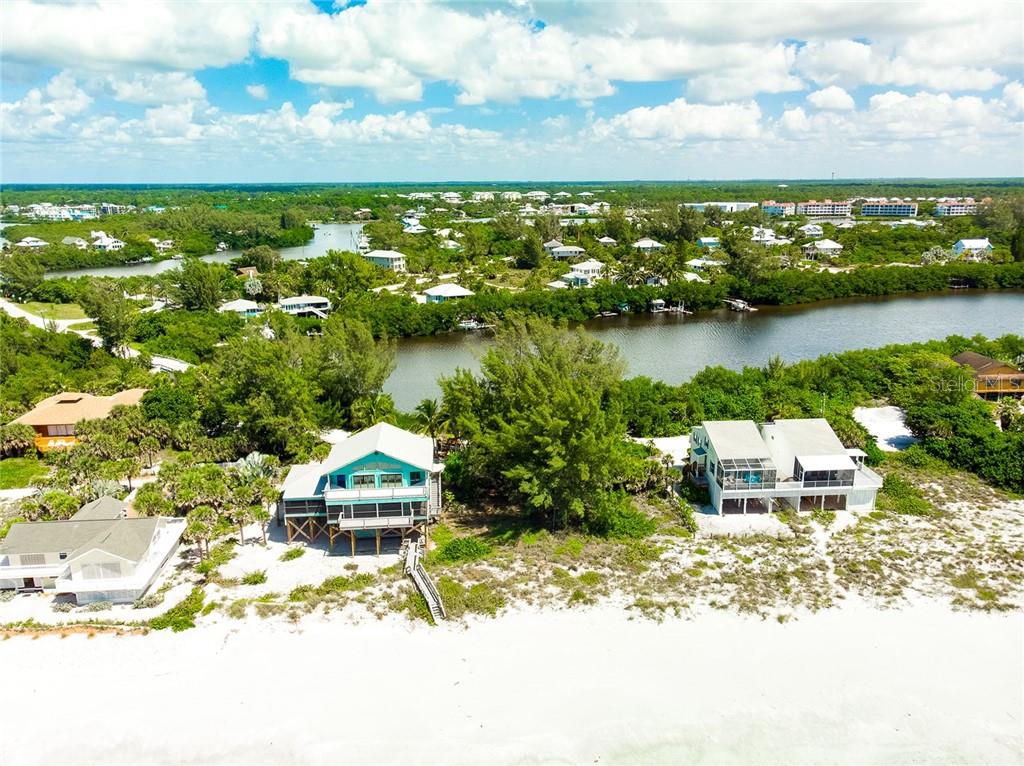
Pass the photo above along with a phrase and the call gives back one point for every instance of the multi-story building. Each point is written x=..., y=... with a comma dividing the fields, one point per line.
x=953, y=206
x=773, y=208
x=725, y=207
x=824, y=208
x=373, y=490
x=798, y=463
x=387, y=259
x=889, y=208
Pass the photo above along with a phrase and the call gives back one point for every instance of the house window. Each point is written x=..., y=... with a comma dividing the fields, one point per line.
x=391, y=480
x=338, y=481
x=364, y=481
x=415, y=478
x=66, y=430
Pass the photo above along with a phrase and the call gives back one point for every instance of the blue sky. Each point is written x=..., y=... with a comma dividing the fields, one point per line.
x=416, y=91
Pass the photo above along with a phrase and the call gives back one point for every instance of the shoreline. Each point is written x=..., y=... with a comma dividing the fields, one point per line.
x=919, y=684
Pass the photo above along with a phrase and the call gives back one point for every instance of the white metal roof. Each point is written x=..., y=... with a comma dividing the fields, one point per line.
x=826, y=244
x=302, y=299
x=240, y=304
x=391, y=255
x=734, y=439
x=415, y=449
x=448, y=290
x=647, y=242
x=971, y=244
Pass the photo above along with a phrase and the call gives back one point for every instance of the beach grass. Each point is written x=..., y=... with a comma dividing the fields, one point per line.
x=20, y=472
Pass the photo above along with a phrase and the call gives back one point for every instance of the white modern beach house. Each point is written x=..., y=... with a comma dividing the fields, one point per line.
x=798, y=463
x=387, y=259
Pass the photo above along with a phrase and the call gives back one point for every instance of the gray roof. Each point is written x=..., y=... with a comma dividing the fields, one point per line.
x=736, y=439
x=103, y=508
x=127, y=538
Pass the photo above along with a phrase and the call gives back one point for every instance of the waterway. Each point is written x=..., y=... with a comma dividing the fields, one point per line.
x=326, y=236
x=673, y=348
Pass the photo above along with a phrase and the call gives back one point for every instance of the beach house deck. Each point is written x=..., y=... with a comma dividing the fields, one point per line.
x=799, y=463
x=373, y=490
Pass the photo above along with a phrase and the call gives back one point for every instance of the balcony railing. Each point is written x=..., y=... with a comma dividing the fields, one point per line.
x=374, y=494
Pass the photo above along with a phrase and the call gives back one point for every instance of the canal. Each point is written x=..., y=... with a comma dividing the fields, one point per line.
x=673, y=348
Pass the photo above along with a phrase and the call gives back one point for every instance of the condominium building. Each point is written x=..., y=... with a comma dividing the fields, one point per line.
x=824, y=208
x=889, y=209
x=773, y=208
x=953, y=206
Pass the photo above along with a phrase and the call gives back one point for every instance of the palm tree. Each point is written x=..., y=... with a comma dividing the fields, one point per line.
x=368, y=410
x=201, y=522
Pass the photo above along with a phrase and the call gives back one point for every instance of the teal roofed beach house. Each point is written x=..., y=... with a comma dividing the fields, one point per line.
x=373, y=490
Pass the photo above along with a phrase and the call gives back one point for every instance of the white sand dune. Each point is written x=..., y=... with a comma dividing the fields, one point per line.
x=852, y=685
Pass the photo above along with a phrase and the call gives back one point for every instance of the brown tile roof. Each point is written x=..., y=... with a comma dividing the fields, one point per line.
x=70, y=407
x=983, y=364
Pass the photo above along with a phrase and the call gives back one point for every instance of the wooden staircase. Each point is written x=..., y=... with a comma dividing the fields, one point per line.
x=414, y=569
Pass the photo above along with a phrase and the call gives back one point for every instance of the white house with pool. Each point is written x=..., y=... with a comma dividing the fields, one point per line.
x=800, y=463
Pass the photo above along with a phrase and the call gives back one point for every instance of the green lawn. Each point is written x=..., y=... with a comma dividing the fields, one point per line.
x=18, y=472
x=55, y=310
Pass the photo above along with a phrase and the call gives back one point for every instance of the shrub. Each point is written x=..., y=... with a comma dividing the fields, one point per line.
x=6, y=595
x=98, y=606
x=255, y=578
x=63, y=606
x=220, y=555
x=181, y=616
x=150, y=601
x=900, y=497
x=461, y=549
x=292, y=553
x=476, y=599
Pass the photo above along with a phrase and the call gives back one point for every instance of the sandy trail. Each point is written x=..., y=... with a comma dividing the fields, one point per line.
x=852, y=685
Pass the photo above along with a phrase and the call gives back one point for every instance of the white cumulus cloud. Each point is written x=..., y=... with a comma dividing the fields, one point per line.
x=680, y=120
x=258, y=92
x=832, y=97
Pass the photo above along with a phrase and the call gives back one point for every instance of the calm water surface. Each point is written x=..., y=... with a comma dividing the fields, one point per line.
x=327, y=236
x=672, y=348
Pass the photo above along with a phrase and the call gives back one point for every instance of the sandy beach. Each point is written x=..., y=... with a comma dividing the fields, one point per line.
x=853, y=685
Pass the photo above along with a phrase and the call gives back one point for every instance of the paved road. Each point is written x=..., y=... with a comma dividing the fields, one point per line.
x=160, y=363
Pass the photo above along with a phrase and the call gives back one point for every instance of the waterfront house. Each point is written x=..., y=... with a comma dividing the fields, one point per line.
x=567, y=251
x=373, y=490
x=826, y=247
x=75, y=242
x=244, y=307
x=551, y=245
x=32, y=243
x=446, y=292
x=105, y=243
x=797, y=463
x=96, y=555
x=708, y=243
x=647, y=245
x=387, y=259
x=584, y=274
x=54, y=418
x=305, y=305
x=993, y=379
x=811, y=230
x=973, y=249
x=607, y=242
